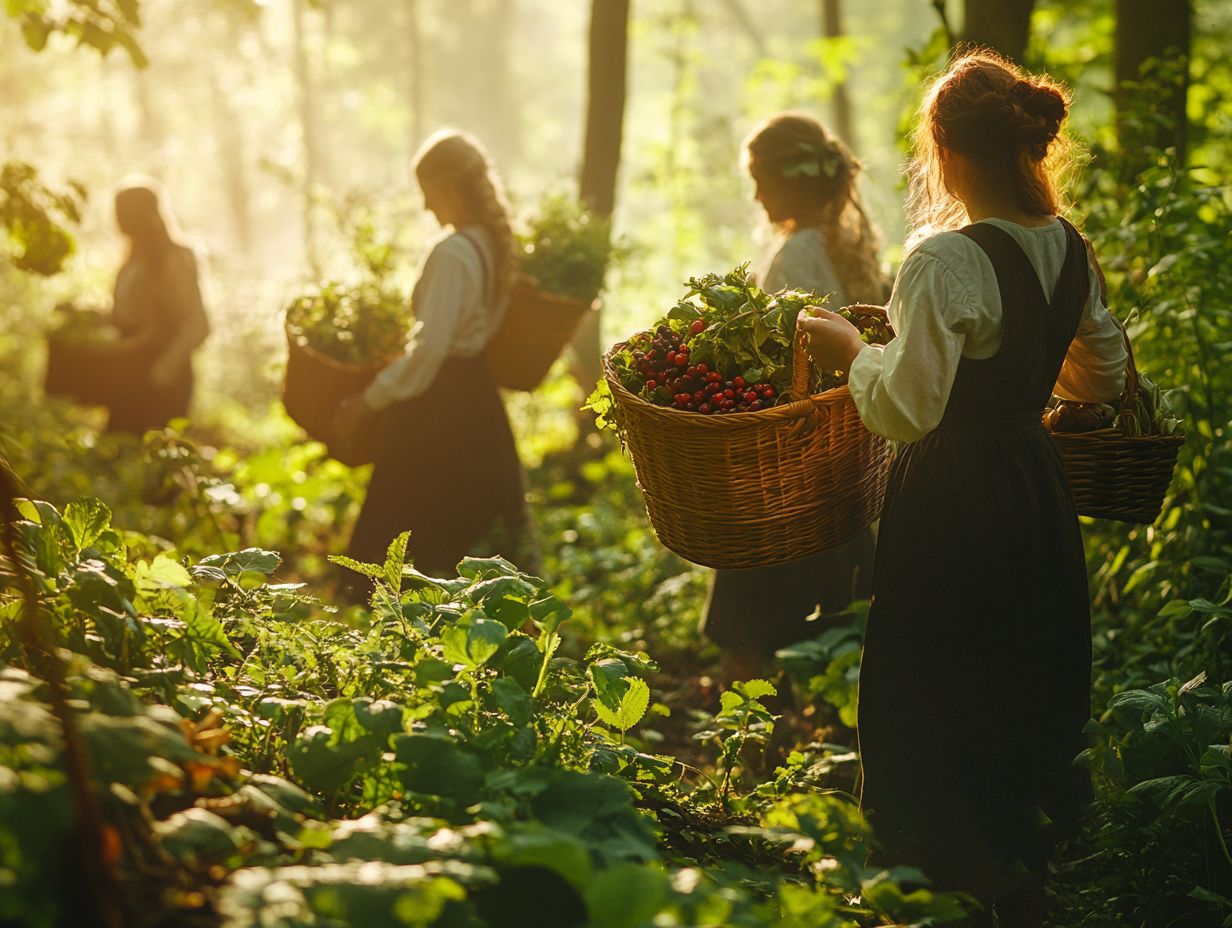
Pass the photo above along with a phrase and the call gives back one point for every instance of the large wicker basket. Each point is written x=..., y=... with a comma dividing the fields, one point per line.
x=759, y=488
x=536, y=328
x=94, y=374
x=314, y=387
x=1118, y=476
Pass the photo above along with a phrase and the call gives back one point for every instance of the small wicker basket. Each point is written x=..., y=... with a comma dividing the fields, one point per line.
x=1118, y=476
x=759, y=488
x=536, y=328
x=314, y=386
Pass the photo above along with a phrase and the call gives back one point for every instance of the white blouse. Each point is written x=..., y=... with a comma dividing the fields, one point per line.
x=800, y=261
x=946, y=305
x=452, y=317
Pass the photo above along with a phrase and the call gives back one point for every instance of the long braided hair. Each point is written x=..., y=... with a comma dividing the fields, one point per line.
x=458, y=158
x=820, y=172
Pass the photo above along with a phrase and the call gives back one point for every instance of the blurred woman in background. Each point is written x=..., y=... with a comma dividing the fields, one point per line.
x=158, y=309
x=805, y=181
x=447, y=468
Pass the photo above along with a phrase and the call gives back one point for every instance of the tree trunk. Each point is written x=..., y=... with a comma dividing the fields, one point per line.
x=832, y=28
x=605, y=111
x=1152, y=117
x=308, y=133
x=1004, y=25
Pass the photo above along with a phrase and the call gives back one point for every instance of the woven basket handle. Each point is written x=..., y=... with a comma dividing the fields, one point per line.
x=801, y=366
x=1131, y=369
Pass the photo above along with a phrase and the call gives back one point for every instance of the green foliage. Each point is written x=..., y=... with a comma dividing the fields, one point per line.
x=363, y=325
x=33, y=218
x=406, y=766
x=1163, y=764
x=567, y=248
x=99, y=24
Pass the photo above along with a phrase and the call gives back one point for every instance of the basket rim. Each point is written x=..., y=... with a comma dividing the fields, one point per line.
x=793, y=409
x=1111, y=433
x=299, y=344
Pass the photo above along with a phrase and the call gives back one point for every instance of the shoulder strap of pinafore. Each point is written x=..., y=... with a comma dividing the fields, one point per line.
x=484, y=264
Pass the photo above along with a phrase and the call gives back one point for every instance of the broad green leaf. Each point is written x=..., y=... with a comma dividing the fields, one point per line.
x=86, y=520
x=633, y=706
x=159, y=574
x=473, y=643
x=626, y=895
x=395, y=557
x=250, y=560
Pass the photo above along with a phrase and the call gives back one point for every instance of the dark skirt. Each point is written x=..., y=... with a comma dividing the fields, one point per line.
x=448, y=471
x=975, y=680
x=146, y=407
x=755, y=612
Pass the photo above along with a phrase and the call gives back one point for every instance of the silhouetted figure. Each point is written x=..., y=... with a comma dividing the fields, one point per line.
x=157, y=308
x=805, y=181
x=447, y=468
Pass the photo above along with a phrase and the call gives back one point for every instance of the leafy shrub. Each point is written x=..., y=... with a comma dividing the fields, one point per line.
x=355, y=325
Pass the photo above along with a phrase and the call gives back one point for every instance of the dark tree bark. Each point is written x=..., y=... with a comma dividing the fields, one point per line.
x=1152, y=116
x=605, y=112
x=832, y=28
x=1001, y=24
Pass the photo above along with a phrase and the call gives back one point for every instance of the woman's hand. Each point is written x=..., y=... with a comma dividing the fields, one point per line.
x=353, y=417
x=833, y=342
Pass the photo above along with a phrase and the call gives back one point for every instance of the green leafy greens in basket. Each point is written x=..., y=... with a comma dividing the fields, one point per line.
x=356, y=325
x=567, y=248
x=725, y=347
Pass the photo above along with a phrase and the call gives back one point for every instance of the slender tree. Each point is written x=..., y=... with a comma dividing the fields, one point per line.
x=1151, y=114
x=832, y=28
x=1001, y=24
x=605, y=111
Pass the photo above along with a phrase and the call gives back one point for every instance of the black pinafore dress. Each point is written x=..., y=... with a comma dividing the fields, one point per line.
x=448, y=470
x=975, y=679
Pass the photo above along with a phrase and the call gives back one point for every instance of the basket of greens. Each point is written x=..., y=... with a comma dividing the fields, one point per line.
x=338, y=339
x=564, y=254
x=89, y=360
x=746, y=454
x=1118, y=460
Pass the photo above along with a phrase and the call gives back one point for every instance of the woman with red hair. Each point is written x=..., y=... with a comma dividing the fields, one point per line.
x=975, y=680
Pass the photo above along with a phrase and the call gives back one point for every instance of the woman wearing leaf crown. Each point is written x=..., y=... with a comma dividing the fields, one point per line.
x=156, y=306
x=805, y=181
x=447, y=468
x=975, y=676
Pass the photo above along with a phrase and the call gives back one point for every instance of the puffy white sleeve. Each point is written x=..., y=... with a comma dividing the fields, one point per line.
x=446, y=287
x=901, y=390
x=1094, y=368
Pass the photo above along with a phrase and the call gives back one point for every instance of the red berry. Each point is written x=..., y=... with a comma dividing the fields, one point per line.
x=767, y=391
x=698, y=396
x=705, y=409
x=671, y=357
x=682, y=359
x=755, y=405
x=651, y=384
x=702, y=368
x=739, y=382
x=750, y=395
x=729, y=393
x=697, y=326
x=714, y=377
x=682, y=398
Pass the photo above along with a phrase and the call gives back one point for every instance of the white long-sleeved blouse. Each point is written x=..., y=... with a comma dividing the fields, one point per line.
x=454, y=316
x=800, y=261
x=945, y=306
